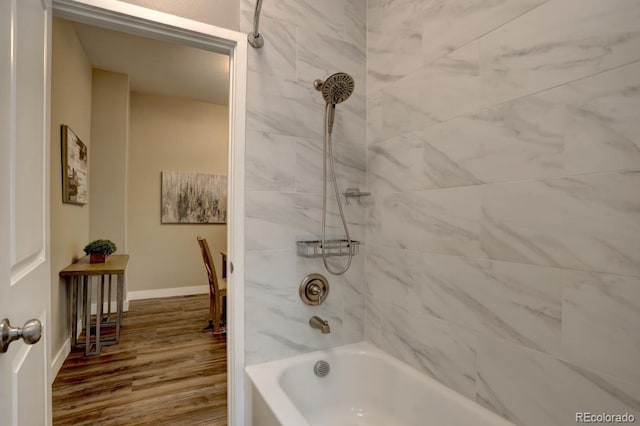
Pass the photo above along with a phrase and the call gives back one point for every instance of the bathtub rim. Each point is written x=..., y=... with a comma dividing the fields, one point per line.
x=267, y=376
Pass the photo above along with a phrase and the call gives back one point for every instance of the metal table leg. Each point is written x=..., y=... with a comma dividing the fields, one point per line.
x=87, y=315
x=119, y=307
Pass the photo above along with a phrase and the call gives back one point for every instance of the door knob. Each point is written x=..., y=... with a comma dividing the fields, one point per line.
x=30, y=333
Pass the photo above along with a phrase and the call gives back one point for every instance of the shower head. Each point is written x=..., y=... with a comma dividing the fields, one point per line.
x=337, y=88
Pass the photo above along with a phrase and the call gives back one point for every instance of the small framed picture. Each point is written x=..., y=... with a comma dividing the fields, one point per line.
x=75, y=168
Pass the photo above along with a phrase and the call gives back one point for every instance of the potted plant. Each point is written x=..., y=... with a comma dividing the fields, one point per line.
x=99, y=250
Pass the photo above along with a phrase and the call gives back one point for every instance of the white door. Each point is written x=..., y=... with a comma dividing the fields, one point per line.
x=25, y=33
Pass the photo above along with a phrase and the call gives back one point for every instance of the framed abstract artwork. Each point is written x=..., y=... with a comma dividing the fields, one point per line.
x=191, y=197
x=75, y=168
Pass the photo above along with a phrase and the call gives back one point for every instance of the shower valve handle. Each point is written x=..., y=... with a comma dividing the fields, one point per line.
x=314, y=289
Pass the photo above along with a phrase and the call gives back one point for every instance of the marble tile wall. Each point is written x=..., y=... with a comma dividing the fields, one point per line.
x=503, y=235
x=304, y=40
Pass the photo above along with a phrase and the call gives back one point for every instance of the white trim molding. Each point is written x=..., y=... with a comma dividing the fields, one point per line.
x=166, y=292
x=133, y=19
x=59, y=359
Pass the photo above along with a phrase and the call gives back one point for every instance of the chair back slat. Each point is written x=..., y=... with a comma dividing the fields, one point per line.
x=208, y=264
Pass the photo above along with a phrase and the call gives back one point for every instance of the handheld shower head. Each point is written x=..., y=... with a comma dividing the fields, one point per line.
x=335, y=89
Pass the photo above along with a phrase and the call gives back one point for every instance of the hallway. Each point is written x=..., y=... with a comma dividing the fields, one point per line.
x=164, y=371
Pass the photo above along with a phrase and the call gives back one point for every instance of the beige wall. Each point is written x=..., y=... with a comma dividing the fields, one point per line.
x=109, y=144
x=70, y=105
x=222, y=13
x=167, y=134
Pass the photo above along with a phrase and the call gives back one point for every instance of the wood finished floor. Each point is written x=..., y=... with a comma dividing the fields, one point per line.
x=164, y=371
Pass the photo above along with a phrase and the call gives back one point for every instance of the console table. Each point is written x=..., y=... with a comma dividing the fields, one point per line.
x=84, y=278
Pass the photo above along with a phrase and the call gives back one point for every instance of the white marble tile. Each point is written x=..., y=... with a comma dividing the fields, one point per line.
x=447, y=352
x=373, y=321
x=396, y=164
x=602, y=130
x=450, y=24
x=587, y=222
x=558, y=42
x=523, y=222
x=327, y=17
x=394, y=46
x=278, y=55
x=245, y=7
x=278, y=327
x=281, y=106
x=308, y=218
x=267, y=316
x=276, y=220
x=531, y=388
x=349, y=160
x=601, y=222
x=355, y=29
x=584, y=127
x=519, y=140
x=375, y=10
x=269, y=219
x=373, y=217
x=284, y=111
x=401, y=108
x=520, y=303
x=394, y=275
x=353, y=299
x=440, y=349
x=277, y=320
x=388, y=60
x=601, y=323
x=591, y=146
x=277, y=330
x=271, y=273
x=270, y=162
x=353, y=325
x=441, y=90
x=440, y=221
x=309, y=163
x=374, y=117
x=401, y=14
x=350, y=126
x=319, y=55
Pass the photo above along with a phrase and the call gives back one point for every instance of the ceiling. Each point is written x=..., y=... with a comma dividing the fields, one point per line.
x=157, y=67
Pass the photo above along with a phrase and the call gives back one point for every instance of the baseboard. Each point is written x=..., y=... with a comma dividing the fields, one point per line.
x=114, y=307
x=58, y=360
x=167, y=292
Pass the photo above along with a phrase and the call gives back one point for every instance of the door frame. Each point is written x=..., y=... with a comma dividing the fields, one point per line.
x=133, y=19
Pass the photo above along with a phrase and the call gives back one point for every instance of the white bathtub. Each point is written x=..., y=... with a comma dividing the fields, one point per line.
x=364, y=387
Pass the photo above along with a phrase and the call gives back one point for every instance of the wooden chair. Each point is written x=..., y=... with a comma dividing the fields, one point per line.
x=217, y=289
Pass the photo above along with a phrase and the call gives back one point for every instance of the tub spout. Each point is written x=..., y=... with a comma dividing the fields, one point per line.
x=320, y=324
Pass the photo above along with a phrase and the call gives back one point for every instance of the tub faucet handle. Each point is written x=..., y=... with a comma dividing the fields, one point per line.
x=320, y=324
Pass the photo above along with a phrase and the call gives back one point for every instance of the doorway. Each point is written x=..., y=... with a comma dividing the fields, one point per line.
x=142, y=22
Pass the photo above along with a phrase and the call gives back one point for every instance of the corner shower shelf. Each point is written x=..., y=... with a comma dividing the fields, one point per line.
x=332, y=248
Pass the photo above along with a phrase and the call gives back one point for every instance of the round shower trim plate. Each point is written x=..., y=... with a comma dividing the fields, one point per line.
x=314, y=289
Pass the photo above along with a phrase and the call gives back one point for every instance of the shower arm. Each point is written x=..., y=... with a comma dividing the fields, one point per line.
x=255, y=38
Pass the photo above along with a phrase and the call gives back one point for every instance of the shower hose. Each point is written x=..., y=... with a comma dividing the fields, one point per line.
x=328, y=152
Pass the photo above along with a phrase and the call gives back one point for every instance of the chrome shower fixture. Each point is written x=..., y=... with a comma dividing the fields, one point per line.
x=254, y=38
x=335, y=89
